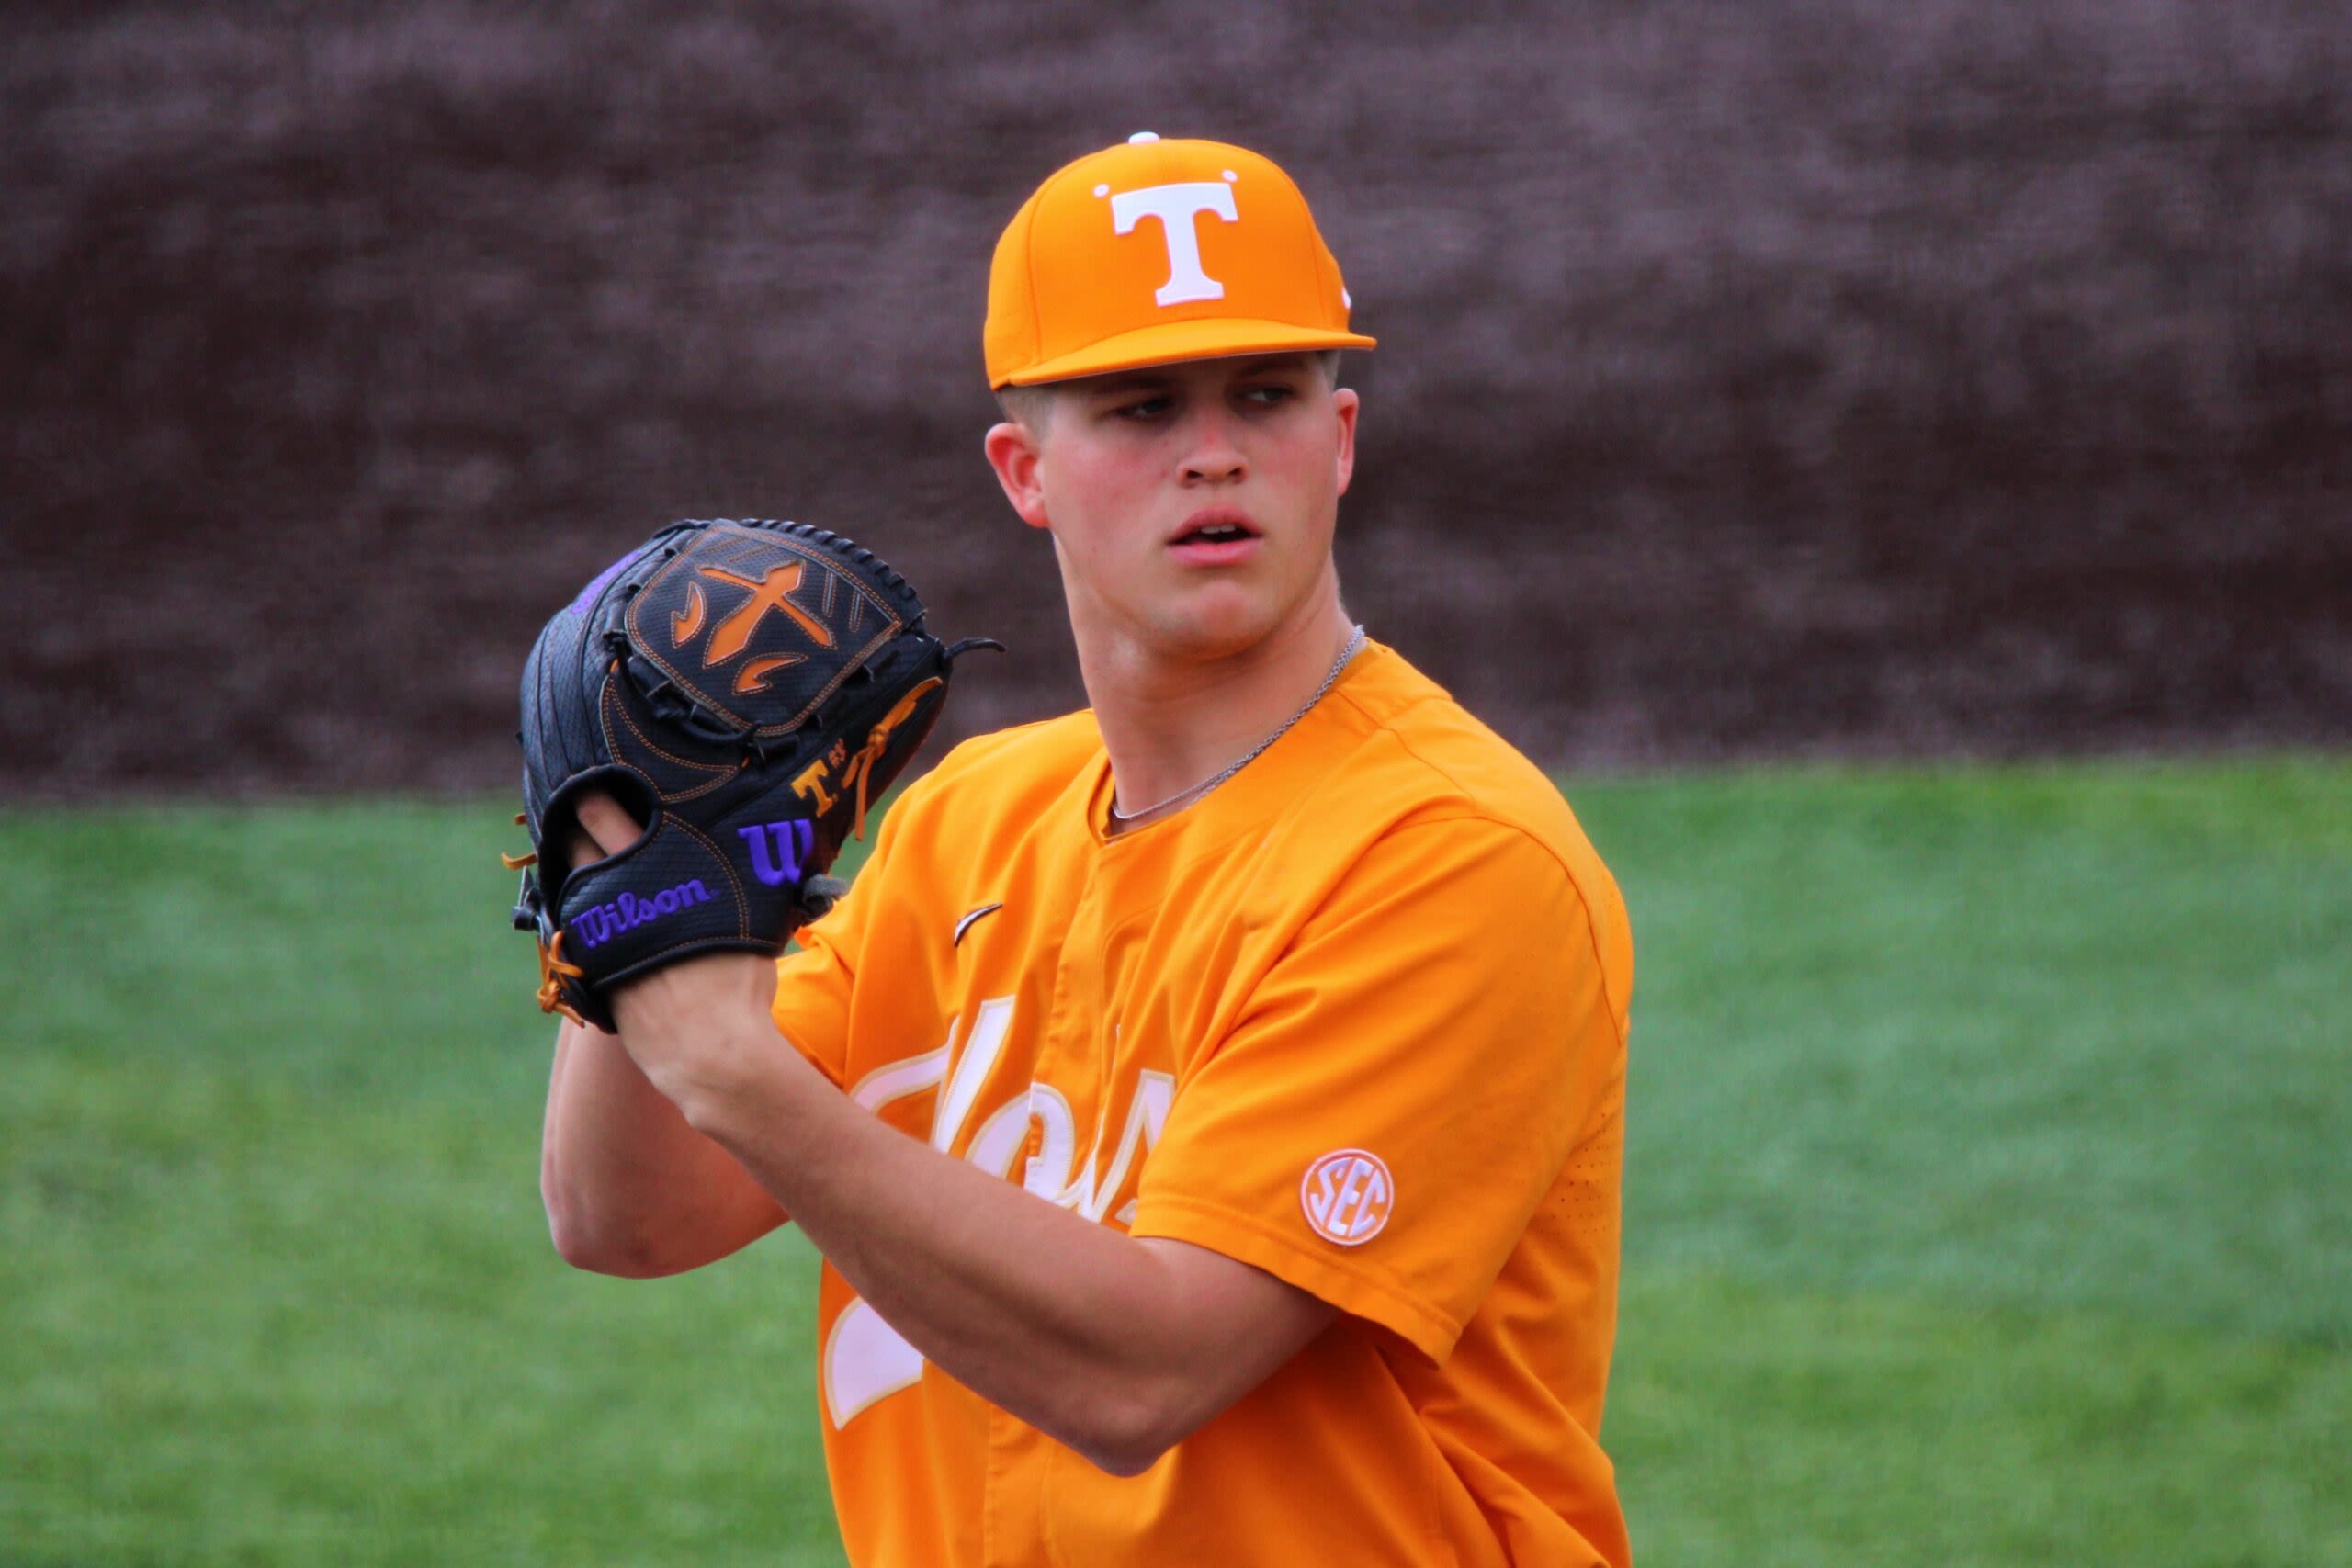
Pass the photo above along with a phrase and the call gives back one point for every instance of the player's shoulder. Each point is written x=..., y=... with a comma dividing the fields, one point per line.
x=1426, y=757
x=1426, y=775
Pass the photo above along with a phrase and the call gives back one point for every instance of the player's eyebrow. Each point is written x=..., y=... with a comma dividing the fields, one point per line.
x=1152, y=379
x=1120, y=383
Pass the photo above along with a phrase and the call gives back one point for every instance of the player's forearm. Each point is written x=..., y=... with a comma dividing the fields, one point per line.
x=630, y=1187
x=1078, y=1329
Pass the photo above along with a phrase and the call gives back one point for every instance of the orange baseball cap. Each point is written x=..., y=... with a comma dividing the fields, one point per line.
x=1158, y=251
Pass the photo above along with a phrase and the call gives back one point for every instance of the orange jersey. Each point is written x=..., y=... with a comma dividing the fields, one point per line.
x=1357, y=1018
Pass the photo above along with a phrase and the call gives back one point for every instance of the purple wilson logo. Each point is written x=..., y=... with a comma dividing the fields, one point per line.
x=599, y=923
x=779, y=850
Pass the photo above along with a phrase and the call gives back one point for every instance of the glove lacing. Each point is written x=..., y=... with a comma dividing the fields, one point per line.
x=877, y=741
x=553, y=972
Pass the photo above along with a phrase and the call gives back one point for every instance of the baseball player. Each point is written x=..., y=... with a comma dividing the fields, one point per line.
x=1209, y=1105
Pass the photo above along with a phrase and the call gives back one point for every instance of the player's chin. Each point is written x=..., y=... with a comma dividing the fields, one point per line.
x=1218, y=620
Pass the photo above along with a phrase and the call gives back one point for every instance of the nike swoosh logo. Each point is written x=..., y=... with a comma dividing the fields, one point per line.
x=965, y=923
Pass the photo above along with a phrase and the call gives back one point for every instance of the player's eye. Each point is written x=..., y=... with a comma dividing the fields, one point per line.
x=1143, y=409
x=1270, y=396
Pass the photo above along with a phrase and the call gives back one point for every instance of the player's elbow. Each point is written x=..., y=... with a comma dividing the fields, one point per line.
x=596, y=1244
x=1125, y=1464
x=595, y=1254
x=584, y=1247
x=621, y=1255
x=1123, y=1455
x=1124, y=1431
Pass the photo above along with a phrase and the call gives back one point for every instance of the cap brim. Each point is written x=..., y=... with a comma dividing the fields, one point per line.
x=1170, y=342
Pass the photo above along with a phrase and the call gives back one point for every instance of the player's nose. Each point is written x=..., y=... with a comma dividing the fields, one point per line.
x=1213, y=451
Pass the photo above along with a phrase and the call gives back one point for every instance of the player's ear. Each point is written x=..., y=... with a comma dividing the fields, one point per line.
x=1013, y=454
x=1344, y=403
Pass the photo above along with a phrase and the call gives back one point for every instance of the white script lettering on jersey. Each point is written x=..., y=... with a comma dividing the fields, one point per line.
x=1176, y=207
x=864, y=1359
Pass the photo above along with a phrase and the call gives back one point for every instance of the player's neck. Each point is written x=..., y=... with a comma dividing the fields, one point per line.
x=1170, y=723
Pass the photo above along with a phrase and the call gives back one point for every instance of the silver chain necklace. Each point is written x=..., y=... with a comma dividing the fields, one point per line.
x=1128, y=818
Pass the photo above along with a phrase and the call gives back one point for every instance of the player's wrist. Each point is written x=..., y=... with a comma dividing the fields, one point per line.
x=723, y=1084
x=699, y=1026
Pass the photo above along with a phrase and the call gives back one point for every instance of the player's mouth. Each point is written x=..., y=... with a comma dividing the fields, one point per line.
x=1217, y=535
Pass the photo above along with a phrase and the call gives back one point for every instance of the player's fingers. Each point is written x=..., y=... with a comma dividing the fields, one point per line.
x=606, y=827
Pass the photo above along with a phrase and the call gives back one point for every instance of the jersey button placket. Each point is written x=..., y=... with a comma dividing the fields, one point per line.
x=1066, y=1058
x=1016, y=1471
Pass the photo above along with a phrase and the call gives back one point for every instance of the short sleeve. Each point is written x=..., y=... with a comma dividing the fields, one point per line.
x=816, y=979
x=1404, y=1084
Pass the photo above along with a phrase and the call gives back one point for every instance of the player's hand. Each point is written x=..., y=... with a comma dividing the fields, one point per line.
x=693, y=1024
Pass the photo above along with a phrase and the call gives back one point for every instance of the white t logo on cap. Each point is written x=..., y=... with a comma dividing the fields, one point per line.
x=1176, y=205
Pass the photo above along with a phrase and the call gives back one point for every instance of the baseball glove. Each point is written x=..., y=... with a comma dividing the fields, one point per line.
x=746, y=690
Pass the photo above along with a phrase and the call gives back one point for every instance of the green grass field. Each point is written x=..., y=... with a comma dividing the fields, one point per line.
x=1989, y=1194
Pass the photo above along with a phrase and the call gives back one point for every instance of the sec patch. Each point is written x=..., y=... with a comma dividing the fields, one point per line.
x=1348, y=1195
